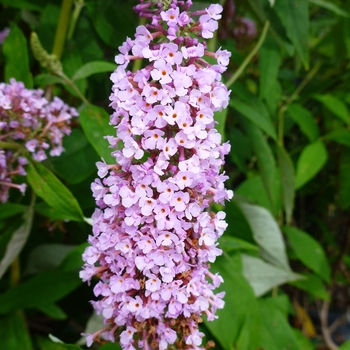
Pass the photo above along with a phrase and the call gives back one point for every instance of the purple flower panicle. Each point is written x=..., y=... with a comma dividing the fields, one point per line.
x=29, y=124
x=153, y=232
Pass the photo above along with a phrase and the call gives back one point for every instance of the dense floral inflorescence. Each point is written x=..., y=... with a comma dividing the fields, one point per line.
x=153, y=232
x=29, y=124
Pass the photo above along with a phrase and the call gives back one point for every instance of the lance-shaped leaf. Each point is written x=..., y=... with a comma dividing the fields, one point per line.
x=257, y=116
x=42, y=289
x=94, y=67
x=335, y=105
x=287, y=180
x=47, y=186
x=95, y=123
x=16, y=53
x=267, y=234
x=17, y=241
x=311, y=160
x=309, y=251
x=262, y=276
x=294, y=15
x=305, y=121
x=14, y=332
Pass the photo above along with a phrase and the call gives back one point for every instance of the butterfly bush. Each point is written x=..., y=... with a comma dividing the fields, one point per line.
x=154, y=234
x=29, y=125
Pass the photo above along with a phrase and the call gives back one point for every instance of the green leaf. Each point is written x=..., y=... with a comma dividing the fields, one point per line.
x=11, y=209
x=263, y=277
x=313, y=285
x=230, y=244
x=344, y=180
x=294, y=16
x=345, y=346
x=48, y=344
x=254, y=191
x=53, y=311
x=310, y=162
x=94, y=324
x=95, y=123
x=43, y=80
x=331, y=7
x=266, y=161
x=14, y=332
x=240, y=305
x=341, y=136
x=257, y=116
x=94, y=67
x=267, y=234
x=17, y=241
x=220, y=117
x=276, y=332
x=42, y=289
x=335, y=105
x=17, y=63
x=269, y=61
x=47, y=186
x=309, y=252
x=305, y=121
x=112, y=20
x=78, y=152
x=287, y=179
x=47, y=257
x=73, y=260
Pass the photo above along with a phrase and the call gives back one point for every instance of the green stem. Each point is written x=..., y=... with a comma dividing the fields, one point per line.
x=79, y=4
x=242, y=67
x=8, y=145
x=74, y=87
x=62, y=27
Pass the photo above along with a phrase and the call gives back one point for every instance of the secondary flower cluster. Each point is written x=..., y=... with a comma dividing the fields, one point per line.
x=29, y=123
x=153, y=233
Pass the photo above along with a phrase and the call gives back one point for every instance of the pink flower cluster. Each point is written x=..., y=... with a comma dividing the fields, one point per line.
x=29, y=124
x=153, y=232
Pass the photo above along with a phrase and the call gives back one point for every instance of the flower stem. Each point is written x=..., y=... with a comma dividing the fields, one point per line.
x=242, y=67
x=62, y=28
x=79, y=4
x=8, y=145
x=73, y=86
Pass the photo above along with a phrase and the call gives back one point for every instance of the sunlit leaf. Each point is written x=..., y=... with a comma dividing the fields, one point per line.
x=313, y=285
x=309, y=251
x=263, y=276
x=287, y=180
x=240, y=305
x=310, y=162
x=335, y=105
x=267, y=234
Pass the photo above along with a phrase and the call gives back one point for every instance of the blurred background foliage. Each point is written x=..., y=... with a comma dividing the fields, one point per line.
x=286, y=251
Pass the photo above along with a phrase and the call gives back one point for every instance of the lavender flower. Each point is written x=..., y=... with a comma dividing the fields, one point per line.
x=29, y=124
x=153, y=233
